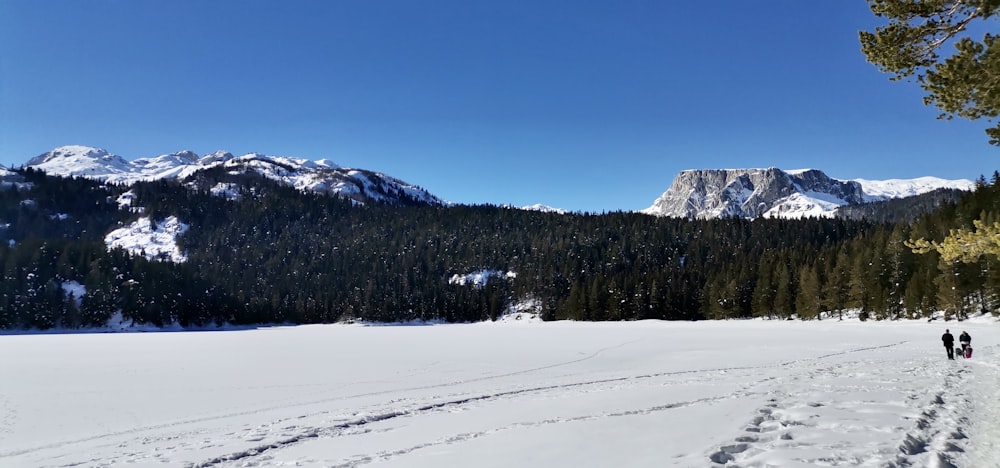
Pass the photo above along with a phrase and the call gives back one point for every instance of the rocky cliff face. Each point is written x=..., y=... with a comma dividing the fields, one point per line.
x=751, y=193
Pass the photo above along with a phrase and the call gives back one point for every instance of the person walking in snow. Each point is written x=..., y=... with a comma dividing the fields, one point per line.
x=949, y=343
x=965, y=339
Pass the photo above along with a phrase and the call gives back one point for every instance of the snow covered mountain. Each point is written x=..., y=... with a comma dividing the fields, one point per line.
x=772, y=192
x=542, y=208
x=876, y=190
x=83, y=161
x=313, y=176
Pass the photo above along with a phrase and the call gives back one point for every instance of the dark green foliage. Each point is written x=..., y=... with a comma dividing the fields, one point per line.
x=277, y=255
x=897, y=210
x=963, y=84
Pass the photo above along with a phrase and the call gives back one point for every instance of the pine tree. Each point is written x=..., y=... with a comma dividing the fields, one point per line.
x=807, y=300
x=834, y=291
x=961, y=85
x=859, y=284
x=948, y=292
x=783, y=292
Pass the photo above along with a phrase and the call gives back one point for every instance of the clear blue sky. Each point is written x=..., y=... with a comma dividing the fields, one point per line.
x=583, y=105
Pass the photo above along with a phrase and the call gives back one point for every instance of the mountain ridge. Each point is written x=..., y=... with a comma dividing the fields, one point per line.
x=694, y=193
x=319, y=176
x=776, y=193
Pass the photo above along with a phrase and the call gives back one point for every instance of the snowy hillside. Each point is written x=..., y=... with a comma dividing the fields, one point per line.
x=153, y=240
x=313, y=176
x=511, y=394
x=84, y=161
x=876, y=190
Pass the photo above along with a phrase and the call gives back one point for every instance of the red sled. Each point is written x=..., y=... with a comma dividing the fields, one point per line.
x=968, y=352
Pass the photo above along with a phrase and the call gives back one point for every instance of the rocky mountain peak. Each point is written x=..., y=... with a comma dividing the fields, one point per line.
x=772, y=192
x=306, y=175
x=81, y=161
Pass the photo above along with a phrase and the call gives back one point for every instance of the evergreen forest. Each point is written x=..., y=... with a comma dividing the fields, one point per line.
x=277, y=255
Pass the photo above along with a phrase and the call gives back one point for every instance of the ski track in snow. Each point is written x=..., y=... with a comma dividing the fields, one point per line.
x=283, y=433
x=930, y=443
x=313, y=432
x=785, y=399
x=936, y=438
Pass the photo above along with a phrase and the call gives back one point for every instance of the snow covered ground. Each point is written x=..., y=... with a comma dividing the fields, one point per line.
x=520, y=393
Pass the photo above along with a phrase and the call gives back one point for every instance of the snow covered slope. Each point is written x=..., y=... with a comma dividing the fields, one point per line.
x=84, y=161
x=772, y=192
x=513, y=394
x=876, y=190
x=314, y=176
x=154, y=240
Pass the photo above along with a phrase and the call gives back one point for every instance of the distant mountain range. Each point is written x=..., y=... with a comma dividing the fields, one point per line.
x=774, y=193
x=694, y=194
x=309, y=176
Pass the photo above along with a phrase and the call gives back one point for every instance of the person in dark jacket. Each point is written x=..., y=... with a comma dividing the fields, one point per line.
x=966, y=340
x=949, y=344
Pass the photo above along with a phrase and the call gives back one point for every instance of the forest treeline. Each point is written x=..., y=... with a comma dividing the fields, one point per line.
x=277, y=255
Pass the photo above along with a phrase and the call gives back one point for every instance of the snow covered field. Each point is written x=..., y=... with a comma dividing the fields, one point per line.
x=641, y=394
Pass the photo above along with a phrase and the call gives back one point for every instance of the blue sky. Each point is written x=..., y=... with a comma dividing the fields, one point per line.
x=582, y=105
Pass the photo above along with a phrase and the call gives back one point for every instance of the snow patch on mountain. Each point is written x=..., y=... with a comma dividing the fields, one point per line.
x=805, y=205
x=125, y=200
x=479, y=278
x=153, y=240
x=74, y=290
x=544, y=209
x=229, y=191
